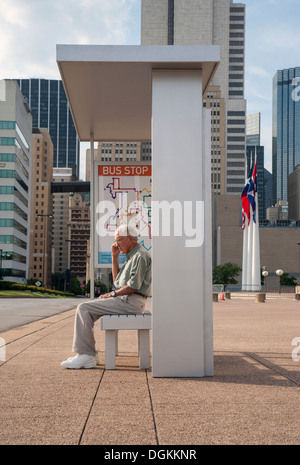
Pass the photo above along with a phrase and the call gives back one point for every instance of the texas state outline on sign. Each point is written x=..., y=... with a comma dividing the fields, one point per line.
x=132, y=197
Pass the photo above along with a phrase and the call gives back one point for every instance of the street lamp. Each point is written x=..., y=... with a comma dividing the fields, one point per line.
x=279, y=274
x=1, y=264
x=68, y=270
x=44, y=236
x=265, y=274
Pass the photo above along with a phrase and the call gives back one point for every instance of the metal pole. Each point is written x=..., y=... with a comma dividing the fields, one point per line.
x=1, y=264
x=92, y=228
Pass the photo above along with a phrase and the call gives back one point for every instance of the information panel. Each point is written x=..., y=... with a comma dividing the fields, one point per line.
x=122, y=196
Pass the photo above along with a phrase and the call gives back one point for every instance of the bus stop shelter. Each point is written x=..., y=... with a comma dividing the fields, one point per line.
x=143, y=93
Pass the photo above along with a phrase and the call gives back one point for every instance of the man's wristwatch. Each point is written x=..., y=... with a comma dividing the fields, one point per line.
x=113, y=293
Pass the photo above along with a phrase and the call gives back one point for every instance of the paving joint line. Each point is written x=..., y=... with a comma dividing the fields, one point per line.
x=90, y=409
x=30, y=345
x=271, y=366
x=152, y=409
x=35, y=331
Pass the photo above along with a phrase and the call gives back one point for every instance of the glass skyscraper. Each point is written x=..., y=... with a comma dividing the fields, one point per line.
x=286, y=129
x=50, y=109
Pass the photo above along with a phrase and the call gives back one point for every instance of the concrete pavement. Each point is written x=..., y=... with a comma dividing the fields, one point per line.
x=252, y=399
x=15, y=312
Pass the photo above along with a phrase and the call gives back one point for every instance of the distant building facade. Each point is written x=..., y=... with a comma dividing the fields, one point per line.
x=253, y=129
x=60, y=221
x=50, y=109
x=40, y=262
x=15, y=182
x=294, y=194
x=78, y=234
x=214, y=22
x=286, y=130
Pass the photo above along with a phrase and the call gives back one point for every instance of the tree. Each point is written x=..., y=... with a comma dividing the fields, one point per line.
x=58, y=281
x=75, y=286
x=225, y=274
x=286, y=280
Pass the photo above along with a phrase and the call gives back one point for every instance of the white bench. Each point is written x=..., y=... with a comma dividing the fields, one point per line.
x=113, y=323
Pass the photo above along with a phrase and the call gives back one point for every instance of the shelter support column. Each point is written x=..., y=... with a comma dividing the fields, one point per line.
x=182, y=344
x=92, y=220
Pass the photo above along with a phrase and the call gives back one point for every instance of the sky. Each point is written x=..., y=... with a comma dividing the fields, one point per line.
x=30, y=30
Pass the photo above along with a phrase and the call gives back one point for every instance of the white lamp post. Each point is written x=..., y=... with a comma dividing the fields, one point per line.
x=265, y=273
x=279, y=273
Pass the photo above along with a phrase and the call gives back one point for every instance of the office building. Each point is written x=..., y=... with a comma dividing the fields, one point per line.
x=78, y=234
x=15, y=182
x=211, y=22
x=286, y=130
x=41, y=214
x=294, y=195
x=268, y=180
x=253, y=129
x=50, y=109
x=115, y=152
x=60, y=221
x=279, y=212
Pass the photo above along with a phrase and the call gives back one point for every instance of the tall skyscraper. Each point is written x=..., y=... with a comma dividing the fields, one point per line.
x=15, y=182
x=41, y=207
x=254, y=149
x=253, y=129
x=286, y=129
x=50, y=109
x=60, y=230
x=211, y=22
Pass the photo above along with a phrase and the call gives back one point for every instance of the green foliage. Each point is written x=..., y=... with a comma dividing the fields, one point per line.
x=102, y=286
x=225, y=274
x=11, y=286
x=75, y=286
x=58, y=281
x=286, y=280
x=6, y=285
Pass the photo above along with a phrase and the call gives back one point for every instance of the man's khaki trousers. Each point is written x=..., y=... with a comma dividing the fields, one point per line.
x=89, y=312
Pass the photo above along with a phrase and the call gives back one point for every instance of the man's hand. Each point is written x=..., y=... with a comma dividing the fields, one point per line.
x=105, y=296
x=115, y=250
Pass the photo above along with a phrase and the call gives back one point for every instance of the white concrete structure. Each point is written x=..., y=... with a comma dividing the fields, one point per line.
x=114, y=94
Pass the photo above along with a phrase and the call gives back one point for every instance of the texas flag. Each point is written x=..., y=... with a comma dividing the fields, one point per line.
x=248, y=196
x=252, y=191
x=245, y=201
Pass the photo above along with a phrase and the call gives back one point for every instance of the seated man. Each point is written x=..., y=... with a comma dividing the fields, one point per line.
x=132, y=287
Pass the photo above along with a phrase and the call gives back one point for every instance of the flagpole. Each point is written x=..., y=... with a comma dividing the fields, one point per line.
x=250, y=254
x=245, y=257
x=256, y=278
x=245, y=275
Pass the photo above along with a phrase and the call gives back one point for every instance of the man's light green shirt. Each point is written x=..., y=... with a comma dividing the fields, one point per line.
x=136, y=271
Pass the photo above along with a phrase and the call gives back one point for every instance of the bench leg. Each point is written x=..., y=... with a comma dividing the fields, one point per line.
x=144, y=348
x=110, y=349
x=117, y=343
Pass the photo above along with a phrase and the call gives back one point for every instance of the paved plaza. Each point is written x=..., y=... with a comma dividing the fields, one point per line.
x=253, y=398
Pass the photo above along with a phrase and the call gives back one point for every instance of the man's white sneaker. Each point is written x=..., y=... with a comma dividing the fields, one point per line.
x=79, y=361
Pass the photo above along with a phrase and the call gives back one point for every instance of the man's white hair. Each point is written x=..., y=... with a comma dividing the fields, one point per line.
x=127, y=230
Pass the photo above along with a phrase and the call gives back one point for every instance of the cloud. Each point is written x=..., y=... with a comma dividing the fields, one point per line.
x=30, y=30
x=257, y=71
